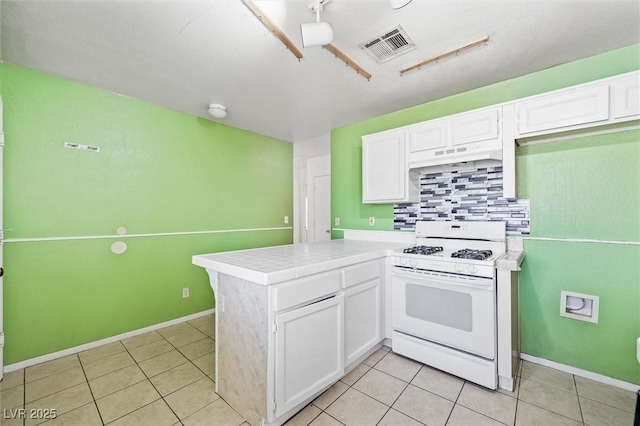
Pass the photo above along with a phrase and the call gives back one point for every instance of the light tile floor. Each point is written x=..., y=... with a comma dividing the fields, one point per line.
x=165, y=377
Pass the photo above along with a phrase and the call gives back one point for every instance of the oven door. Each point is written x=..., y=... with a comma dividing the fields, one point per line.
x=458, y=312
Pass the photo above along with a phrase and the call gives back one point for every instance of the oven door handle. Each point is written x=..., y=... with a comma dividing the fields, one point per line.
x=473, y=282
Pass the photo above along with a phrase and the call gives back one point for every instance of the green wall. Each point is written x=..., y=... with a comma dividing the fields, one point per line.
x=586, y=188
x=158, y=171
x=346, y=145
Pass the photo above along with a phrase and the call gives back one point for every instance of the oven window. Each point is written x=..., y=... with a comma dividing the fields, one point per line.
x=444, y=307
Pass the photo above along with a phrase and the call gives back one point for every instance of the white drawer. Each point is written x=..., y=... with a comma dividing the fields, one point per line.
x=307, y=289
x=360, y=273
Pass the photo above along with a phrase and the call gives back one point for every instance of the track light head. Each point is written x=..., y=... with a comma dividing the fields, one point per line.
x=317, y=33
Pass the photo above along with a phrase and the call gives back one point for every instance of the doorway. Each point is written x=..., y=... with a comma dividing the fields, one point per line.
x=318, y=199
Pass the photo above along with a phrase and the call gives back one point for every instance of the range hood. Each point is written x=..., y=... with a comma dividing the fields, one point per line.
x=463, y=157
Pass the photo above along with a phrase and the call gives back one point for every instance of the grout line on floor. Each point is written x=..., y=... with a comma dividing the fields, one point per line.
x=573, y=376
x=93, y=398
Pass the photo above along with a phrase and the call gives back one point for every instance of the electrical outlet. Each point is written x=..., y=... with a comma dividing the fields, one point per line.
x=372, y=220
x=337, y=221
x=185, y=292
x=286, y=219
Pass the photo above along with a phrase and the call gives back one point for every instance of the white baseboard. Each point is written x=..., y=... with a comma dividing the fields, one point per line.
x=95, y=344
x=582, y=373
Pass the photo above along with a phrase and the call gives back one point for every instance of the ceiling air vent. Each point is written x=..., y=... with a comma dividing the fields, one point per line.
x=391, y=44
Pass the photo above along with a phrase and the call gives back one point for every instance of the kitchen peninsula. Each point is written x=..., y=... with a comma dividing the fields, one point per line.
x=292, y=320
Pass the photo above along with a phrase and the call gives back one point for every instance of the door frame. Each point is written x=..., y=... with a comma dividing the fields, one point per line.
x=1, y=242
x=316, y=167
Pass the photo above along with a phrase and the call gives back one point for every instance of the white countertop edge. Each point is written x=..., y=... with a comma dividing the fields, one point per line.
x=278, y=276
x=267, y=278
x=236, y=271
x=510, y=260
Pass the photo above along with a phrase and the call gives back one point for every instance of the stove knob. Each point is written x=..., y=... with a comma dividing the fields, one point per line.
x=403, y=261
x=413, y=262
x=458, y=267
x=473, y=269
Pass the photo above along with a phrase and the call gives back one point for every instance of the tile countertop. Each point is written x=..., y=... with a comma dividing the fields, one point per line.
x=271, y=265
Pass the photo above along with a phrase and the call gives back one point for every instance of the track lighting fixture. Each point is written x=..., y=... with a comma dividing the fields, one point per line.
x=317, y=33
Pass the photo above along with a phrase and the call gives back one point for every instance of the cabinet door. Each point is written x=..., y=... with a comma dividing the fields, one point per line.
x=475, y=127
x=626, y=97
x=428, y=135
x=362, y=319
x=564, y=109
x=384, y=168
x=309, y=351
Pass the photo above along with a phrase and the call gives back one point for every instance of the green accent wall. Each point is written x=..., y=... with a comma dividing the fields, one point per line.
x=158, y=171
x=583, y=188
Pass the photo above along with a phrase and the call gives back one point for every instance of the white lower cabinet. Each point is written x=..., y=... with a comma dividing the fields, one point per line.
x=278, y=346
x=363, y=319
x=363, y=309
x=309, y=351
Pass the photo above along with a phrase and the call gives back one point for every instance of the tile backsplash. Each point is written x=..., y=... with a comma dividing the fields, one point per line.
x=464, y=195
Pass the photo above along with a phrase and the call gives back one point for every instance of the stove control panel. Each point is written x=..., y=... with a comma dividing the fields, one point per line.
x=465, y=268
x=443, y=264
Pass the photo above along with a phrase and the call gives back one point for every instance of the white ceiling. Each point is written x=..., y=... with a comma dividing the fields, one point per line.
x=184, y=55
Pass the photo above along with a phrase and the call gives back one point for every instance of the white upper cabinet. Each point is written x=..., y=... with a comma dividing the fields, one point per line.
x=429, y=135
x=563, y=110
x=444, y=134
x=626, y=97
x=607, y=101
x=385, y=177
x=475, y=126
x=392, y=160
x=469, y=136
x=390, y=173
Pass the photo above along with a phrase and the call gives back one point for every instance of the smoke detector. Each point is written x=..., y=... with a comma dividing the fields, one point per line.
x=217, y=111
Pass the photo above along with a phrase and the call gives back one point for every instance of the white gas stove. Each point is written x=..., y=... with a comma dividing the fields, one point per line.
x=457, y=247
x=444, y=298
